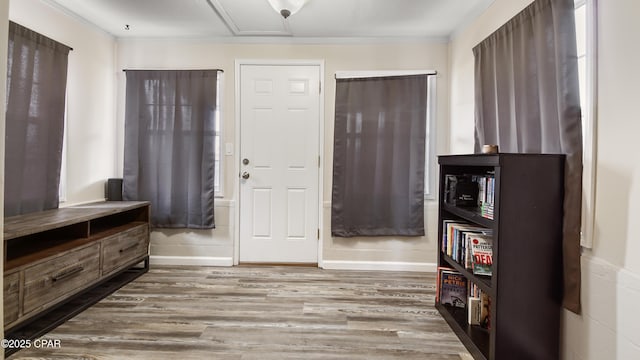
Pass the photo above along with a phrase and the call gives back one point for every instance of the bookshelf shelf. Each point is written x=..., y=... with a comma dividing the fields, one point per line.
x=484, y=282
x=525, y=287
x=475, y=338
x=470, y=214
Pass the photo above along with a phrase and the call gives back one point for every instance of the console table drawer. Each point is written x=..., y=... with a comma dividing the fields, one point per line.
x=11, y=297
x=119, y=250
x=57, y=278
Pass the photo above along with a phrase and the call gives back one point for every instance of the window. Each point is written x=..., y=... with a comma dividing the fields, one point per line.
x=171, y=131
x=36, y=89
x=381, y=153
x=430, y=180
x=585, y=14
x=217, y=183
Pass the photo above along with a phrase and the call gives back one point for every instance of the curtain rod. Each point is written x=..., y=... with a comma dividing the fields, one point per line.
x=125, y=70
x=381, y=73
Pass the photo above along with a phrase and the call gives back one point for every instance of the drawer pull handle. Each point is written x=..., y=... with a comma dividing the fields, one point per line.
x=67, y=273
x=130, y=247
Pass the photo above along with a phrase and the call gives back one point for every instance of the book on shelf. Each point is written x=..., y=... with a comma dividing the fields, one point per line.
x=469, y=237
x=482, y=188
x=478, y=306
x=481, y=253
x=452, y=244
x=450, y=182
x=474, y=290
x=486, y=194
x=453, y=288
x=485, y=310
x=468, y=257
x=474, y=311
x=438, y=284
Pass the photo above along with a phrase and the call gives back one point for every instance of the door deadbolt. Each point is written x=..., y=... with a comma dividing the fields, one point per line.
x=245, y=161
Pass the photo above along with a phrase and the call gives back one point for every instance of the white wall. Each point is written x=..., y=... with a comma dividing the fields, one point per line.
x=90, y=96
x=95, y=121
x=608, y=327
x=610, y=324
x=4, y=33
x=175, y=54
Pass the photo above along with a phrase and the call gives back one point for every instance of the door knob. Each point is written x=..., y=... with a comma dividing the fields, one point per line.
x=245, y=175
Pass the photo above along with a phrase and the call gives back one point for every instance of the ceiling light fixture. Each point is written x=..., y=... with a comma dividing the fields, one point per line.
x=287, y=8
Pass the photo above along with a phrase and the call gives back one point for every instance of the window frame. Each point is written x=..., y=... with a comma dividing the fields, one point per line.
x=431, y=138
x=219, y=131
x=62, y=186
x=589, y=123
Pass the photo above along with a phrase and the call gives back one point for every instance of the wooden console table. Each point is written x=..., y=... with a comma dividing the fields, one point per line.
x=55, y=260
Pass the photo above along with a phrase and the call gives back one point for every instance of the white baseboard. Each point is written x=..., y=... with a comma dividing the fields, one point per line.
x=64, y=204
x=190, y=260
x=378, y=265
x=218, y=202
x=326, y=264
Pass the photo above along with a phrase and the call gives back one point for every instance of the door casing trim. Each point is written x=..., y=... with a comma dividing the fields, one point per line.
x=236, y=169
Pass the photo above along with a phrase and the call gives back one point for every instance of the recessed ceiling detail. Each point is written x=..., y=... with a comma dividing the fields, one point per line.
x=260, y=21
x=229, y=19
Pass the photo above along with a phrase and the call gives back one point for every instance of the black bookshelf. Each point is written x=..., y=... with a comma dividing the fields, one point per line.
x=526, y=282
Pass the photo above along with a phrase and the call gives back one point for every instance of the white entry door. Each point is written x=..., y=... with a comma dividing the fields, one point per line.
x=279, y=160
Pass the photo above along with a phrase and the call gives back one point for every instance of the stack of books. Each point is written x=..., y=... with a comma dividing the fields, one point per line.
x=455, y=291
x=469, y=245
x=486, y=195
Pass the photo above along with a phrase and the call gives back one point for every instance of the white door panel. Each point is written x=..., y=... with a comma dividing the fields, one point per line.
x=279, y=136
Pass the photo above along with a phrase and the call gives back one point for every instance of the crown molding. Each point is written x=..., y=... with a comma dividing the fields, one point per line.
x=77, y=17
x=275, y=40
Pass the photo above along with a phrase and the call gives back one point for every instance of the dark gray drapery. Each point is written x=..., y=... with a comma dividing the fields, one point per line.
x=379, y=156
x=527, y=101
x=36, y=89
x=169, y=154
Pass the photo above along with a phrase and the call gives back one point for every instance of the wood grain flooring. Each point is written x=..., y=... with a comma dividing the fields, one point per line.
x=260, y=313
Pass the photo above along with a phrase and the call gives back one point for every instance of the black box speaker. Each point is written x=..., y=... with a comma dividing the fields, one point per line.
x=461, y=190
x=114, y=190
x=466, y=192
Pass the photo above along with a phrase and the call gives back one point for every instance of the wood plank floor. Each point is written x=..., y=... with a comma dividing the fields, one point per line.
x=260, y=313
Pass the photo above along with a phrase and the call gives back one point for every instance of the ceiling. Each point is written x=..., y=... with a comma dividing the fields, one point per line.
x=237, y=19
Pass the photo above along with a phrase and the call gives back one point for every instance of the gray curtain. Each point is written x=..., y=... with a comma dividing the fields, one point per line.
x=379, y=156
x=169, y=154
x=527, y=101
x=36, y=89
